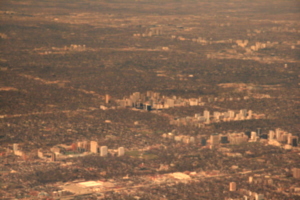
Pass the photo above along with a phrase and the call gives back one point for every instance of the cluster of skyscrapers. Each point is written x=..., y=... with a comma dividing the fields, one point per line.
x=61, y=151
x=94, y=147
x=150, y=100
x=279, y=137
x=153, y=100
x=208, y=117
x=237, y=138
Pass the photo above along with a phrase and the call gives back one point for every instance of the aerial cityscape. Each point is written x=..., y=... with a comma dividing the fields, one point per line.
x=150, y=99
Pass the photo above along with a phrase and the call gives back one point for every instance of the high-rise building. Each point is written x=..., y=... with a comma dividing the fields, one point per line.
x=81, y=147
x=253, y=136
x=295, y=140
x=86, y=145
x=271, y=135
x=53, y=157
x=217, y=115
x=296, y=173
x=147, y=107
x=231, y=113
x=232, y=186
x=250, y=179
x=243, y=112
x=206, y=114
x=107, y=98
x=40, y=153
x=258, y=131
x=278, y=133
x=94, y=147
x=121, y=151
x=129, y=103
x=103, y=151
x=15, y=147
x=214, y=139
x=289, y=138
x=250, y=112
x=203, y=141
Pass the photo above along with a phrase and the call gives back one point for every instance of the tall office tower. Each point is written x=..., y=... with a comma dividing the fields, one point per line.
x=271, y=135
x=232, y=186
x=295, y=141
x=296, y=173
x=250, y=179
x=243, y=112
x=121, y=151
x=129, y=102
x=53, y=157
x=214, y=139
x=258, y=131
x=15, y=147
x=231, y=113
x=253, y=136
x=135, y=97
x=203, y=141
x=40, y=153
x=107, y=98
x=147, y=107
x=94, y=147
x=250, y=112
x=86, y=145
x=217, y=115
x=278, y=132
x=103, y=151
x=206, y=114
x=79, y=147
x=289, y=138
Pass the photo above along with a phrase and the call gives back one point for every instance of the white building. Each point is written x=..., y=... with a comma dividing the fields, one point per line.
x=103, y=151
x=121, y=151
